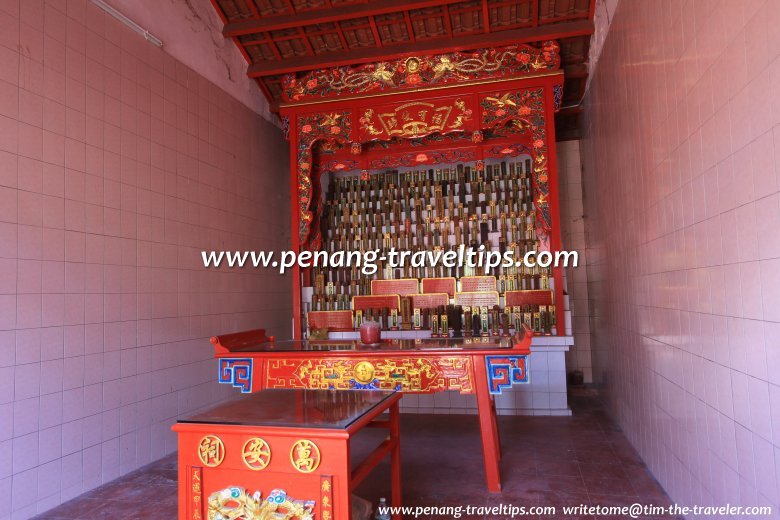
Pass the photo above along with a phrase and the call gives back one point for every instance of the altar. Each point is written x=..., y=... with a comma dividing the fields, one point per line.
x=254, y=362
x=428, y=153
x=435, y=153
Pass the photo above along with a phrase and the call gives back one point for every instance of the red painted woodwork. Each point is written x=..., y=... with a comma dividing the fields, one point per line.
x=439, y=285
x=427, y=70
x=524, y=104
x=416, y=366
x=400, y=287
x=385, y=301
x=284, y=37
x=430, y=300
x=478, y=283
x=216, y=451
x=238, y=340
x=533, y=297
x=335, y=321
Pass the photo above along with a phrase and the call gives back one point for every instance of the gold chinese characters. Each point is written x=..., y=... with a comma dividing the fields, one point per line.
x=305, y=456
x=256, y=453
x=211, y=451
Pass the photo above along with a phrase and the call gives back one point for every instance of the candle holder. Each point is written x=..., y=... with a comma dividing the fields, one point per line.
x=370, y=333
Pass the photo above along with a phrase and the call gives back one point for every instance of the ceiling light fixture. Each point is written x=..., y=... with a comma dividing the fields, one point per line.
x=128, y=22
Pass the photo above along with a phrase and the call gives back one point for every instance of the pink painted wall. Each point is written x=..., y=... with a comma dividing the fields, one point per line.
x=117, y=166
x=191, y=32
x=683, y=223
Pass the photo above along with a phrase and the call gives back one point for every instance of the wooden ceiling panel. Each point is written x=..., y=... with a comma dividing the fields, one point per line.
x=260, y=52
x=326, y=42
x=237, y=10
x=291, y=46
x=283, y=36
x=271, y=7
x=466, y=18
x=307, y=5
x=559, y=10
x=358, y=37
x=510, y=15
x=392, y=28
x=427, y=23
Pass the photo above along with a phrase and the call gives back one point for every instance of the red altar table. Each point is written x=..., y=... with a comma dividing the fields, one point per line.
x=483, y=366
x=422, y=112
x=240, y=459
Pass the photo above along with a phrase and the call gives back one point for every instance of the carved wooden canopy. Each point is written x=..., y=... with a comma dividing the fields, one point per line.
x=280, y=37
x=517, y=86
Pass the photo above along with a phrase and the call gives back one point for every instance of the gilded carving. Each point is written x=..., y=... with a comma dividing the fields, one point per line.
x=197, y=493
x=417, y=374
x=423, y=71
x=211, y=451
x=256, y=453
x=235, y=503
x=305, y=456
x=415, y=119
x=326, y=497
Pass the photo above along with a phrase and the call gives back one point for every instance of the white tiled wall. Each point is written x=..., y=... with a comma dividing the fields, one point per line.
x=117, y=166
x=683, y=220
x=544, y=395
x=573, y=238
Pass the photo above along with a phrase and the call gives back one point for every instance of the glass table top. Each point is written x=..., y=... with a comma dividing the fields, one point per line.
x=455, y=344
x=336, y=409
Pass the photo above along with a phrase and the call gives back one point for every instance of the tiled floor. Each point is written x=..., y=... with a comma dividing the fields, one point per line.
x=558, y=461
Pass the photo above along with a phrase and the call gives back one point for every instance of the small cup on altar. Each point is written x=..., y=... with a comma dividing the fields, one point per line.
x=370, y=333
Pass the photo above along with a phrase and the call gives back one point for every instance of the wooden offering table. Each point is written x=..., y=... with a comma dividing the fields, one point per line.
x=484, y=366
x=282, y=454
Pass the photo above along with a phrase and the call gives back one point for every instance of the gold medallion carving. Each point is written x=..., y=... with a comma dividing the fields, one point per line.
x=364, y=372
x=256, y=454
x=412, y=65
x=211, y=451
x=305, y=456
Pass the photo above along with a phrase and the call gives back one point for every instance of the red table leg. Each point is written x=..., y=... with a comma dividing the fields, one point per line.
x=488, y=426
x=493, y=417
x=395, y=459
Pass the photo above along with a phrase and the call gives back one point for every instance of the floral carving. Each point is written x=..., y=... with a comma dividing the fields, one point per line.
x=312, y=128
x=524, y=110
x=237, y=503
x=423, y=71
x=431, y=157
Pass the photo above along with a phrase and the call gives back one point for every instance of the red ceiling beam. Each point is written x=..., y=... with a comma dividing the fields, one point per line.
x=535, y=13
x=375, y=31
x=334, y=14
x=340, y=34
x=432, y=46
x=253, y=8
x=409, y=28
x=224, y=19
x=264, y=89
x=447, y=21
x=273, y=47
x=306, y=41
